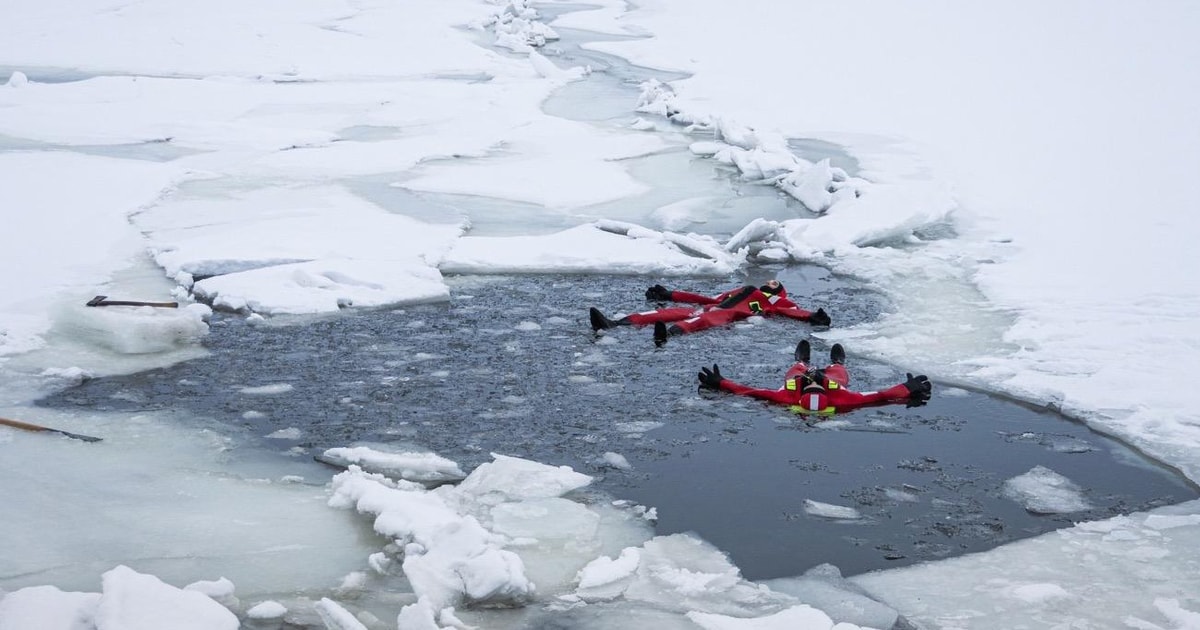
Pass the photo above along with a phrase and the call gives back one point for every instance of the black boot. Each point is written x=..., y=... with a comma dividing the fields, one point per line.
x=837, y=354
x=820, y=318
x=660, y=333
x=803, y=351
x=599, y=321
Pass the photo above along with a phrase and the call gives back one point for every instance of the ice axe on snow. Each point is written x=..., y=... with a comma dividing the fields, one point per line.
x=102, y=300
x=27, y=426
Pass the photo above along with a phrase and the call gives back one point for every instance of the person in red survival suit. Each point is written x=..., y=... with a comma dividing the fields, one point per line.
x=726, y=308
x=822, y=391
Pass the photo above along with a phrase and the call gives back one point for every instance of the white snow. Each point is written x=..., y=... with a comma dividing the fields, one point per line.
x=1023, y=192
x=337, y=618
x=266, y=610
x=48, y=607
x=412, y=465
x=143, y=602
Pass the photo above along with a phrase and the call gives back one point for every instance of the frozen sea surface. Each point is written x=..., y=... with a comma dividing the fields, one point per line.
x=511, y=366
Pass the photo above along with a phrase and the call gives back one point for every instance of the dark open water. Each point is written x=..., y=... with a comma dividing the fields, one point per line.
x=511, y=366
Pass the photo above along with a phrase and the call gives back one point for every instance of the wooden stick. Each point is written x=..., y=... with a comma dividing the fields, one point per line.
x=27, y=426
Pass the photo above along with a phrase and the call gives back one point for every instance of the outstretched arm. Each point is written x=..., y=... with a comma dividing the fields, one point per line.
x=712, y=379
x=914, y=392
x=778, y=396
x=794, y=312
x=661, y=293
x=818, y=317
x=692, y=298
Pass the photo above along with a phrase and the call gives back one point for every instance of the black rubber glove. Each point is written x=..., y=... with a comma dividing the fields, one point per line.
x=658, y=292
x=710, y=379
x=919, y=389
x=819, y=318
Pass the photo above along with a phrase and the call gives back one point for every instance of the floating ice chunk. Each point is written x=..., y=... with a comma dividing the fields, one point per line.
x=737, y=134
x=901, y=494
x=520, y=479
x=451, y=620
x=683, y=573
x=637, y=427
x=1159, y=522
x=67, y=376
x=758, y=230
x=678, y=215
x=757, y=164
x=824, y=588
x=448, y=557
x=547, y=69
x=608, y=246
x=773, y=254
x=324, y=286
x=418, y=616
x=641, y=124
x=269, y=609
x=274, y=388
x=221, y=590
x=290, y=433
x=17, y=79
x=47, y=607
x=137, y=329
x=136, y=601
x=337, y=618
x=396, y=462
x=1043, y=491
x=707, y=148
x=185, y=280
x=529, y=326
x=517, y=28
x=1068, y=445
x=812, y=186
x=605, y=578
x=657, y=98
x=543, y=520
x=802, y=616
x=888, y=213
x=617, y=460
x=352, y=583
x=1183, y=618
x=829, y=510
x=1038, y=593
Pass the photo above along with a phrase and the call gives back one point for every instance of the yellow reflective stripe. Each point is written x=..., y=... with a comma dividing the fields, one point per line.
x=831, y=385
x=755, y=306
x=790, y=384
x=828, y=411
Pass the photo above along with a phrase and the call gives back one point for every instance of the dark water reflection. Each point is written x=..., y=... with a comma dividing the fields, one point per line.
x=510, y=366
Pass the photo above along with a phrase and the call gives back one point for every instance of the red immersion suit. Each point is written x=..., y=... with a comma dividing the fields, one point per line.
x=726, y=308
x=827, y=398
